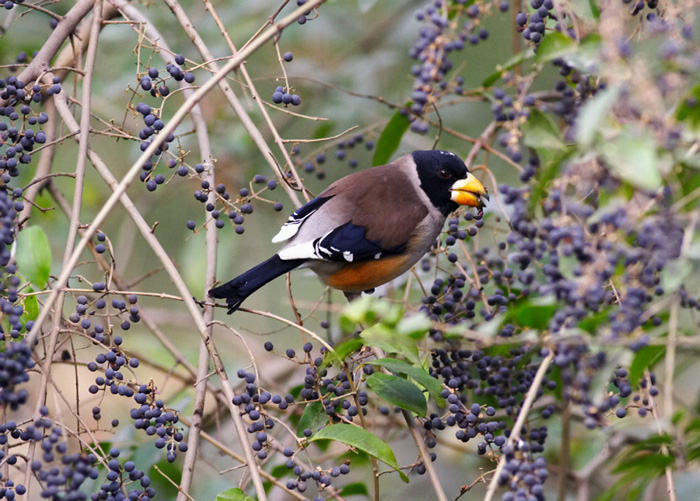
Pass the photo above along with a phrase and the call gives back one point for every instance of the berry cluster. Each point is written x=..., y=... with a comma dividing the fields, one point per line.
x=10, y=4
x=333, y=392
x=238, y=208
x=62, y=474
x=153, y=125
x=85, y=309
x=124, y=481
x=155, y=419
x=441, y=35
x=305, y=16
x=533, y=24
x=157, y=85
x=344, y=152
x=637, y=7
x=283, y=96
x=503, y=380
x=523, y=475
x=16, y=357
x=152, y=415
x=15, y=361
x=17, y=137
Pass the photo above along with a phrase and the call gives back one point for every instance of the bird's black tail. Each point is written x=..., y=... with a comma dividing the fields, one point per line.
x=238, y=289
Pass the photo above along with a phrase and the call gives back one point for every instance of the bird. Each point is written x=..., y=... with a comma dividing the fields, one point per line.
x=367, y=228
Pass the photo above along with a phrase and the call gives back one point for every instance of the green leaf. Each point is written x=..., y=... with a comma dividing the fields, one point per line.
x=645, y=358
x=34, y=255
x=364, y=310
x=322, y=131
x=415, y=326
x=678, y=416
x=280, y=471
x=633, y=158
x=549, y=170
x=689, y=108
x=31, y=307
x=593, y=115
x=627, y=489
x=541, y=132
x=233, y=494
x=675, y=273
x=501, y=349
x=419, y=374
x=645, y=464
x=389, y=341
x=361, y=439
x=345, y=348
x=534, y=314
x=592, y=322
x=313, y=417
x=652, y=443
x=594, y=8
x=511, y=63
x=554, y=45
x=390, y=139
x=586, y=57
x=164, y=476
x=399, y=392
x=354, y=489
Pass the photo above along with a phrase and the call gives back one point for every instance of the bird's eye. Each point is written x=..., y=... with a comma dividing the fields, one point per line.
x=444, y=174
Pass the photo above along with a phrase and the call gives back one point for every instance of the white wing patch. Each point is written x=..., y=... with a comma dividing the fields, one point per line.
x=304, y=250
x=290, y=228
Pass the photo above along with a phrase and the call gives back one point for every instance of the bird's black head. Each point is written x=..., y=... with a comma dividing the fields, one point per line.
x=438, y=171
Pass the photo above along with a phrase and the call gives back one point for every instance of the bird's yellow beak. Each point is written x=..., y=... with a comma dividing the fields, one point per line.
x=469, y=191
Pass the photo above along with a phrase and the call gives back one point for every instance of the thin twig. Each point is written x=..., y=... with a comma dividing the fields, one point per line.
x=425, y=455
x=233, y=100
x=290, y=323
x=180, y=491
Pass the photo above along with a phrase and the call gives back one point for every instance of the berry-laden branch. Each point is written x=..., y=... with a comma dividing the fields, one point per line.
x=119, y=191
x=161, y=253
x=120, y=188
x=64, y=29
x=240, y=110
x=518, y=426
x=80, y=169
x=211, y=248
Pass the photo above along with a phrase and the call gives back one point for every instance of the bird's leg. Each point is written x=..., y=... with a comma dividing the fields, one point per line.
x=351, y=296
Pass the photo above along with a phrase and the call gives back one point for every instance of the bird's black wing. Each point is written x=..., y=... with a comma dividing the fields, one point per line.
x=348, y=243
